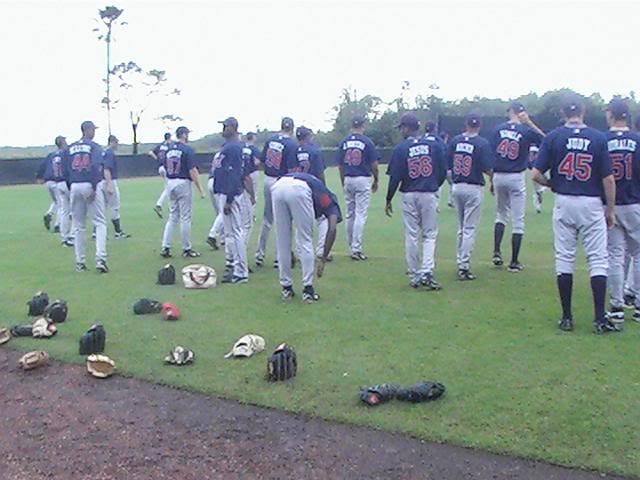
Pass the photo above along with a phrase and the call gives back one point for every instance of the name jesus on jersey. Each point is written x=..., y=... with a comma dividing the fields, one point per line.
x=419, y=150
x=622, y=144
x=511, y=134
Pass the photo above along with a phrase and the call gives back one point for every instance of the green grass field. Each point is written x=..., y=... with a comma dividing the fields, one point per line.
x=515, y=384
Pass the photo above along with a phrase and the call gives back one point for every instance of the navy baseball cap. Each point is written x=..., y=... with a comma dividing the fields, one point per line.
x=303, y=132
x=87, y=124
x=472, y=120
x=286, y=123
x=182, y=131
x=517, y=107
x=572, y=104
x=358, y=121
x=619, y=109
x=430, y=127
x=230, y=122
x=409, y=120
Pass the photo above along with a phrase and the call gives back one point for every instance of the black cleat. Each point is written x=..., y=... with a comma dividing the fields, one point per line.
x=465, y=275
x=604, y=327
x=122, y=235
x=259, y=261
x=190, y=253
x=102, y=267
x=213, y=243
x=56, y=229
x=81, y=267
x=566, y=324
x=629, y=300
x=497, y=259
x=158, y=210
x=47, y=221
x=515, y=267
x=287, y=294
x=165, y=253
x=616, y=315
x=67, y=243
x=275, y=263
x=359, y=256
x=430, y=283
x=309, y=295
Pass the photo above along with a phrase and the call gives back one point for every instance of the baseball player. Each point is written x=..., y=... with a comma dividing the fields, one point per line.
x=358, y=161
x=538, y=190
x=158, y=154
x=109, y=186
x=277, y=158
x=52, y=172
x=624, y=236
x=311, y=161
x=510, y=142
x=419, y=168
x=251, y=160
x=631, y=265
x=299, y=198
x=469, y=158
x=580, y=175
x=83, y=172
x=182, y=171
x=230, y=179
x=217, y=227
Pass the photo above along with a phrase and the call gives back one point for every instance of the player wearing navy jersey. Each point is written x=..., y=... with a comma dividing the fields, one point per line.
x=83, y=172
x=624, y=237
x=159, y=153
x=357, y=160
x=469, y=159
x=418, y=166
x=430, y=132
x=278, y=157
x=109, y=186
x=251, y=160
x=538, y=190
x=510, y=142
x=299, y=198
x=182, y=171
x=580, y=176
x=216, y=232
x=52, y=173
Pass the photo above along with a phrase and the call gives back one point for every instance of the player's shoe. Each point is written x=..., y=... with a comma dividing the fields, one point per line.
x=47, y=221
x=415, y=284
x=81, y=267
x=158, y=210
x=275, y=263
x=56, y=229
x=450, y=203
x=309, y=295
x=465, y=275
x=102, y=267
x=605, y=326
x=287, y=294
x=636, y=315
x=67, y=243
x=293, y=260
x=429, y=282
x=616, y=315
x=233, y=279
x=566, y=324
x=497, y=259
x=93, y=236
x=359, y=256
x=539, y=202
x=122, y=235
x=515, y=267
x=165, y=252
x=259, y=261
x=213, y=243
x=629, y=300
x=190, y=253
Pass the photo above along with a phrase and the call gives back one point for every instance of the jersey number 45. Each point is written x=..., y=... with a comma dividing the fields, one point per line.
x=576, y=165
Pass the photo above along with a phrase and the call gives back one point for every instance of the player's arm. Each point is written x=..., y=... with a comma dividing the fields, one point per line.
x=330, y=239
x=375, y=161
x=339, y=163
x=542, y=163
x=539, y=177
x=194, y=173
x=526, y=119
x=248, y=185
x=396, y=171
x=41, y=170
x=108, y=179
x=153, y=155
x=609, y=185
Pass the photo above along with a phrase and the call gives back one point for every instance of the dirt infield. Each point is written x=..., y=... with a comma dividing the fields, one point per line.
x=59, y=423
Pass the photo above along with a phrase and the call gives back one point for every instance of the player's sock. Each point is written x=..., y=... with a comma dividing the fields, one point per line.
x=116, y=225
x=565, y=289
x=599, y=290
x=516, y=242
x=498, y=233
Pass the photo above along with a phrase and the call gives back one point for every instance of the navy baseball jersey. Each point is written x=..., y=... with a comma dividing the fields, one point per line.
x=468, y=157
x=419, y=164
x=624, y=154
x=310, y=160
x=577, y=159
x=356, y=154
x=250, y=154
x=179, y=160
x=511, y=142
x=160, y=152
x=52, y=169
x=325, y=202
x=83, y=162
x=279, y=155
x=533, y=155
x=109, y=161
x=229, y=170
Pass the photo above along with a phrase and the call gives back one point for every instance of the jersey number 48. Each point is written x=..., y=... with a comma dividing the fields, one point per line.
x=576, y=165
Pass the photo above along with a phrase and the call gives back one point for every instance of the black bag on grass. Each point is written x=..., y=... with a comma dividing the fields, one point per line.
x=37, y=304
x=146, y=305
x=167, y=275
x=93, y=341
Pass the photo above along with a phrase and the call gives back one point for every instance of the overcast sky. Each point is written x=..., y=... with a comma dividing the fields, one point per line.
x=261, y=60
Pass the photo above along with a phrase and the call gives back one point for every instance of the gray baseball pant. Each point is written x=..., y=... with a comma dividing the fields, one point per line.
x=267, y=220
x=323, y=227
x=575, y=217
x=165, y=194
x=631, y=264
x=292, y=202
x=235, y=244
x=180, y=207
x=511, y=198
x=84, y=201
x=467, y=199
x=217, y=227
x=112, y=200
x=357, y=194
x=419, y=211
x=623, y=238
x=53, y=209
x=64, y=209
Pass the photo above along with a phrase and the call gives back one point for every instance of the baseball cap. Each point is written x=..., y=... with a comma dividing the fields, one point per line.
x=472, y=120
x=619, y=109
x=358, y=120
x=572, y=104
x=409, y=120
x=517, y=107
x=303, y=132
x=229, y=122
x=181, y=131
x=286, y=123
x=430, y=127
x=87, y=124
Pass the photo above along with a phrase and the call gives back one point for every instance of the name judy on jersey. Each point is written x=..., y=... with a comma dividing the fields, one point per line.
x=578, y=144
x=626, y=144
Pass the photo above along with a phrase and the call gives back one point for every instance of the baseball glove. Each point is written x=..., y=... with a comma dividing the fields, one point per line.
x=180, y=356
x=421, y=392
x=100, y=366
x=57, y=311
x=37, y=304
x=246, y=346
x=93, y=341
x=378, y=394
x=21, y=331
x=170, y=312
x=5, y=335
x=43, y=328
x=32, y=360
x=283, y=364
x=146, y=305
x=167, y=275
